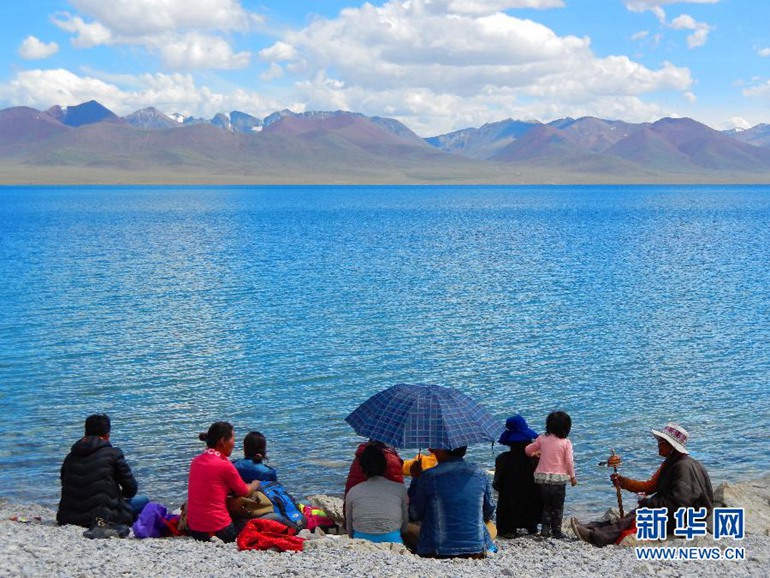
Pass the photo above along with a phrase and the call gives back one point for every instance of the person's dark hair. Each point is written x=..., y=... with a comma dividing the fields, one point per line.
x=98, y=424
x=219, y=430
x=255, y=447
x=558, y=423
x=372, y=461
x=458, y=452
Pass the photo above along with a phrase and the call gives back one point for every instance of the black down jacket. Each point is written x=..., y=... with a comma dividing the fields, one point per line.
x=95, y=481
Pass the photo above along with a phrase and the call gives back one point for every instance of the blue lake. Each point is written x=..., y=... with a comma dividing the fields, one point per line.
x=282, y=308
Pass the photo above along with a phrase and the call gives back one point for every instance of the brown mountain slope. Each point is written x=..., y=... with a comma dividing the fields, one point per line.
x=349, y=130
x=596, y=134
x=340, y=147
x=758, y=135
x=539, y=143
x=683, y=144
x=22, y=127
x=344, y=152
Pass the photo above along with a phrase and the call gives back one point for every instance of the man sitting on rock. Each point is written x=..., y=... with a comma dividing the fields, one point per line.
x=453, y=502
x=96, y=480
x=680, y=482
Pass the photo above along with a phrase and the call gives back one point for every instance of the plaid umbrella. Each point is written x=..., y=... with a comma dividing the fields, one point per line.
x=424, y=416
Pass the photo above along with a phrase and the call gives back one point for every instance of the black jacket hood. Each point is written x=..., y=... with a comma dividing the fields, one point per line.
x=89, y=444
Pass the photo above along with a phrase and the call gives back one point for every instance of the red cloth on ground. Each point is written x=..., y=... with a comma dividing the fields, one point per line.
x=260, y=534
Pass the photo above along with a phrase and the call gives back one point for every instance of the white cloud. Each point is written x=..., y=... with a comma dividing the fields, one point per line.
x=186, y=34
x=487, y=6
x=764, y=52
x=642, y=5
x=44, y=88
x=436, y=65
x=273, y=72
x=641, y=35
x=687, y=22
x=168, y=92
x=660, y=14
x=195, y=50
x=424, y=60
x=278, y=52
x=737, y=122
x=143, y=17
x=34, y=49
x=683, y=22
x=88, y=35
x=759, y=89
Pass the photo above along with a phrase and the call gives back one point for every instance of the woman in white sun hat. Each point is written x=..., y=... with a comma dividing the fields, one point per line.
x=680, y=481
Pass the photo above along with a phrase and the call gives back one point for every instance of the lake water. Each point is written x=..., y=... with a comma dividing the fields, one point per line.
x=282, y=308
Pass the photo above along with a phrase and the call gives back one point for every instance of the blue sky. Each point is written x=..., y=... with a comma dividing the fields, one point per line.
x=436, y=65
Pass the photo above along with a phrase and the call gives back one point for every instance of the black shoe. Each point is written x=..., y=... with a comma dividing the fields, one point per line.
x=101, y=529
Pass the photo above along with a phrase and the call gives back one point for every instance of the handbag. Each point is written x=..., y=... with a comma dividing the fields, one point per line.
x=255, y=505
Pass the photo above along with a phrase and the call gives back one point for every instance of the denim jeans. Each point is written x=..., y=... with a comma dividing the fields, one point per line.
x=227, y=534
x=137, y=503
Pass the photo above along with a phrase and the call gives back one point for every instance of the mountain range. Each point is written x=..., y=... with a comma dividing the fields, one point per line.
x=88, y=143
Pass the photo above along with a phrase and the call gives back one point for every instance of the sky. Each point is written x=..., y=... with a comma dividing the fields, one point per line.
x=435, y=65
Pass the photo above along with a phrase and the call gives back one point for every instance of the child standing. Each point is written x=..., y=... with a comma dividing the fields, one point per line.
x=518, y=504
x=555, y=468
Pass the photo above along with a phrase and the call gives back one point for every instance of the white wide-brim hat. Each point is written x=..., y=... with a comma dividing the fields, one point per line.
x=674, y=434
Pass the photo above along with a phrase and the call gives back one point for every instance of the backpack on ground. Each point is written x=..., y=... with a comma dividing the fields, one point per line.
x=284, y=504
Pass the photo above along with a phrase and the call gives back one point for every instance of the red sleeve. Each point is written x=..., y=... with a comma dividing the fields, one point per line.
x=647, y=487
x=355, y=475
x=395, y=463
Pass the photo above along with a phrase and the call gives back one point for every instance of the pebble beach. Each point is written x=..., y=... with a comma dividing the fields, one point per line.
x=33, y=545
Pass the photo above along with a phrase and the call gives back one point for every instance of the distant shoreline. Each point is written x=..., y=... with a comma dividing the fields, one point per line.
x=48, y=176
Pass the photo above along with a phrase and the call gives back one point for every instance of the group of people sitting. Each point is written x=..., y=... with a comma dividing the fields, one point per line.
x=447, y=511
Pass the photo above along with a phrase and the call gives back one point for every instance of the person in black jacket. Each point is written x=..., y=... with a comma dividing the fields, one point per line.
x=96, y=480
x=519, y=504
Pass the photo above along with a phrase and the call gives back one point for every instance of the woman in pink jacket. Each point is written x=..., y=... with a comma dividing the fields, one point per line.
x=212, y=478
x=555, y=468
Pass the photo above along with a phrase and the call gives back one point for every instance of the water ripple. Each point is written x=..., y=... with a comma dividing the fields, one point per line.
x=281, y=309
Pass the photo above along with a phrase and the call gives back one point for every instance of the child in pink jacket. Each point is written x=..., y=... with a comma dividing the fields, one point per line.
x=555, y=469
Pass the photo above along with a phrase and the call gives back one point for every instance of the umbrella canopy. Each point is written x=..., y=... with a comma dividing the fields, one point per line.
x=424, y=416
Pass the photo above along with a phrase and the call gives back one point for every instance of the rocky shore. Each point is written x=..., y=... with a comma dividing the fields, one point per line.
x=33, y=545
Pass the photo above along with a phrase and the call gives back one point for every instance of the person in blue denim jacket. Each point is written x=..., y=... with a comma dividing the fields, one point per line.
x=453, y=501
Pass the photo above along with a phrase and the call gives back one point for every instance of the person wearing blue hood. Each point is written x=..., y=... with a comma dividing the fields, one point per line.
x=519, y=504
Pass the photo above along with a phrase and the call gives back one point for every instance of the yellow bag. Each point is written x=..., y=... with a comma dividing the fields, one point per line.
x=255, y=505
x=492, y=529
